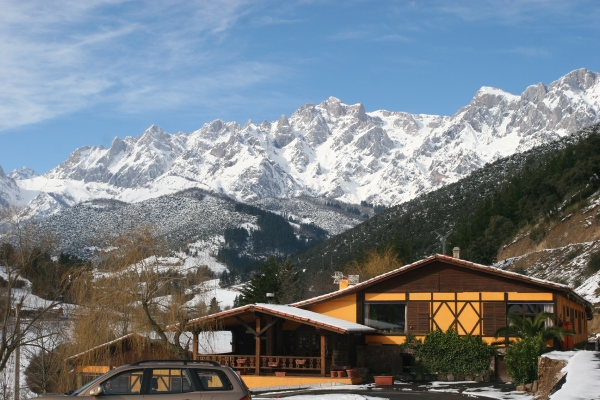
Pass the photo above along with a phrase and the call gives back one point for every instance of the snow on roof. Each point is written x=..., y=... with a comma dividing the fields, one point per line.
x=293, y=313
x=441, y=257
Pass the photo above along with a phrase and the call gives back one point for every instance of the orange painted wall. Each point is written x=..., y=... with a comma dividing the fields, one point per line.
x=581, y=335
x=342, y=308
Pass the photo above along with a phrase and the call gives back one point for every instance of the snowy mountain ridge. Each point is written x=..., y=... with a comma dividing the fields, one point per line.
x=330, y=150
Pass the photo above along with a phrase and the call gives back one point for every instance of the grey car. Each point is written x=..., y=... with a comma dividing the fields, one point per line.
x=167, y=380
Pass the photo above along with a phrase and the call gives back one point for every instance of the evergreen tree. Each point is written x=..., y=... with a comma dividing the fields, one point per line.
x=214, y=306
x=280, y=279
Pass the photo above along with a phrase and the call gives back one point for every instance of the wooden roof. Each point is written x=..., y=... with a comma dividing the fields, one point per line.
x=547, y=285
x=286, y=312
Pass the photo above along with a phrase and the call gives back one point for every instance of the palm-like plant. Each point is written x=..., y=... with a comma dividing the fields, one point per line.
x=523, y=327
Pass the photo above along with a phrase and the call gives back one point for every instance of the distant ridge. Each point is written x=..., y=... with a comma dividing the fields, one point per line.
x=331, y=150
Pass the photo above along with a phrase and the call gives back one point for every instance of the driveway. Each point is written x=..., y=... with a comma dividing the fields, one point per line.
x=417, y=391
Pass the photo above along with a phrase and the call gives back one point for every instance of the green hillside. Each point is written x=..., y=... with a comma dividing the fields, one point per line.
x=482, y=210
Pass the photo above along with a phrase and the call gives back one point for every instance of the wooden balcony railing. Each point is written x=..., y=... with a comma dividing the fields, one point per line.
x=267, y=363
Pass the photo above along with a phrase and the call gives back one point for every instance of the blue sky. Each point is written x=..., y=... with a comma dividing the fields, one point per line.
x=75, y=73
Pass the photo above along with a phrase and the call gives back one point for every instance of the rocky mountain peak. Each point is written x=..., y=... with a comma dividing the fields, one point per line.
x=154, y=133
x=489, y=97
x=535, y=93
x=329, y=150
x=22, y=173
x=580, y=79
x=283, y=121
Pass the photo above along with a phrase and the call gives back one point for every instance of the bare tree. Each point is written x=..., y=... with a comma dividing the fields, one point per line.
x=138, y=286
x=22, y=315
x=374, y=264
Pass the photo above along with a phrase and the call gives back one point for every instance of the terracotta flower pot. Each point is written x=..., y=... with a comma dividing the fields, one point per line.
x=333, y=374
x=384, y=380
x=279, y=373
x=340, y=374
x=352, y=373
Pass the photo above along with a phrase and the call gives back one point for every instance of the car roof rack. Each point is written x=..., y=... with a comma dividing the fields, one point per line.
x=184, y=362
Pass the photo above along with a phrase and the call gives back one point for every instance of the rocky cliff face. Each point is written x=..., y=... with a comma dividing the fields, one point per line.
x=331, y=150
x=9, y=191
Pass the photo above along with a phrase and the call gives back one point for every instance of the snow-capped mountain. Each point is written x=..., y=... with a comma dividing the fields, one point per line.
x=331, y=150
x=10, y=192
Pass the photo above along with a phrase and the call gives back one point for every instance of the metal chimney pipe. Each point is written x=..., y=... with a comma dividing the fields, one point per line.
x=270, y=298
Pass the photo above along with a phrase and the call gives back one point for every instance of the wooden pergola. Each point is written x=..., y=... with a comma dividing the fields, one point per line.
x=281, y=327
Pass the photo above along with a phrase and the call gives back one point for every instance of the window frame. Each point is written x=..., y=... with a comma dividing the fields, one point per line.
x=143, y=382
x=183, y=371
x=366, y=314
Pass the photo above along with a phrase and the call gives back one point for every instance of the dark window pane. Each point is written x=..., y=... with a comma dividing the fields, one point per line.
x=388, y=317
x=515, y=308
x=530, y=308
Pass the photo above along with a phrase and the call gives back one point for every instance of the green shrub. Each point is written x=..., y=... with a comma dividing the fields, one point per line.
x=522, y=359
x=447, y=352
x=538, y=233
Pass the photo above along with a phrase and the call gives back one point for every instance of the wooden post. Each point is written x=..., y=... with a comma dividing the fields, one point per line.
x=322, y=353
x=257, y=349
x=195, y=335
x=270, y=336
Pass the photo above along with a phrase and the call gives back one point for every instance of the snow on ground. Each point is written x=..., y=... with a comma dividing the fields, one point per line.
x=496, y=393
x=431, y=387
x=560, y=355
x=341, y=396
x=203, y=253
x=583, y=377
x=590, y=289
x=210, y=289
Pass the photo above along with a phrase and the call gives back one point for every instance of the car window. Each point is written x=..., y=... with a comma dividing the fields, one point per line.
x=128, y=382
x=213, y=379
x=169, y=380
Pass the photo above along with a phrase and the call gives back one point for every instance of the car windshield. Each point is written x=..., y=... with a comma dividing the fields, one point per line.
x=87, y=385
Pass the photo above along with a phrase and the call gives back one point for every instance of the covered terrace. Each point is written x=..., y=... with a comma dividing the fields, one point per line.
x=271, y=339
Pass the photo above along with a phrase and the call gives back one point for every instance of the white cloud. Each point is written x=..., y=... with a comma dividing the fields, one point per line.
x=63, y=56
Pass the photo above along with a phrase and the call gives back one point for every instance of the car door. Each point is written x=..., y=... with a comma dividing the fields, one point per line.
x=170, y=384
x=127, y=385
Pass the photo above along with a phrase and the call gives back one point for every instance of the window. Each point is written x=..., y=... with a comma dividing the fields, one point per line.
x=129, y=382
x=173, y=380
x=530, y=310
x=387, y=317
x=213, y=379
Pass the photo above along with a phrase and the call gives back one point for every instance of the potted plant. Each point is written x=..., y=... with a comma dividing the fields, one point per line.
x=300, y=362
x=273, y=364
x=384, y=380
